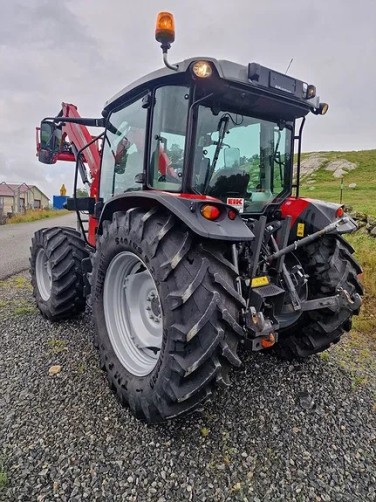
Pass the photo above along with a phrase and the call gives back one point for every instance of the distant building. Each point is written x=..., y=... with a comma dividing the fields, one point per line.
x=16, y=198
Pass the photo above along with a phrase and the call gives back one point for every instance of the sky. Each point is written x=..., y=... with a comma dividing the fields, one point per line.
x=85, y=51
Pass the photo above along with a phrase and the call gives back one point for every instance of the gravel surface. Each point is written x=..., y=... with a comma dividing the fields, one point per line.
x=16, y=240
x=284, y=432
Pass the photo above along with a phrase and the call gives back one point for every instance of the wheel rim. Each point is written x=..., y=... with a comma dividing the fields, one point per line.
x=43, y=274
x=133, y=313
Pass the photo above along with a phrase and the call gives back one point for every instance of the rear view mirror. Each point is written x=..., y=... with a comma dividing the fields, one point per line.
x=232, y=157
x=50, y=142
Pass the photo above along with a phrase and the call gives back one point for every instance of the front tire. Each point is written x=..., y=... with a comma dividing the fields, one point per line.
x=56, y=272
x=168, y=371
x=330, y=265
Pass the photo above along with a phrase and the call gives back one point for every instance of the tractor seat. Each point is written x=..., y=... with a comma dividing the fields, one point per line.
x=229, y=180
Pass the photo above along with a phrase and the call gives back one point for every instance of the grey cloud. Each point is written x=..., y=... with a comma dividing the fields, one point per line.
x=84, y=52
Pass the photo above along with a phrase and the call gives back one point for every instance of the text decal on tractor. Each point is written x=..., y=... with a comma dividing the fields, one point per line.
x=197, y=238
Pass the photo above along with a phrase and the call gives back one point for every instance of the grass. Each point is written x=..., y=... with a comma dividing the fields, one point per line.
x=17, y=282
x=15, y=306
x=326, y=187
x=3, y=476
x=12, y=299
x=81, y=368
x=362, y=199
x=24, y=308
x=57, y=346
x=365, y=324
x=36, y=215
x=356, y=353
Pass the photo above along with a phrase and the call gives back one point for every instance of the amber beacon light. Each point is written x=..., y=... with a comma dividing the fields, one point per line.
x=165, y=29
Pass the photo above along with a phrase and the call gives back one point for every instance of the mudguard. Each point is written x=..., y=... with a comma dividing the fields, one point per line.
x=186, y=207
x=310, y=215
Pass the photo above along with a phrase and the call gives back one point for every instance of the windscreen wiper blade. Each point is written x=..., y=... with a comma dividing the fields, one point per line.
x=222, y=129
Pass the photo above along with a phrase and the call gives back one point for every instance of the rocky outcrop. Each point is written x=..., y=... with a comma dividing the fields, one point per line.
x=363, y=220
x=340, y=167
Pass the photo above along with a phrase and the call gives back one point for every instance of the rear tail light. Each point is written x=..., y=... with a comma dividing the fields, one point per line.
x=340, y=212
x=232, y=214
x=210, y=212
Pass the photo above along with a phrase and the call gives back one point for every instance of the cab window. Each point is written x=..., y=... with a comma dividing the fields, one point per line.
x=168, y=137
x=123, y=152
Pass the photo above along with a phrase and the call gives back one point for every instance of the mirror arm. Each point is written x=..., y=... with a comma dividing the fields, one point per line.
x=79, y=120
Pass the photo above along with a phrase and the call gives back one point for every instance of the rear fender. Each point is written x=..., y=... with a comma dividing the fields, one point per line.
x=310, y=215
x=186, y=208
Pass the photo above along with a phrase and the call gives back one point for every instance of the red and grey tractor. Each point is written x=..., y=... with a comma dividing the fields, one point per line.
x=197, y=240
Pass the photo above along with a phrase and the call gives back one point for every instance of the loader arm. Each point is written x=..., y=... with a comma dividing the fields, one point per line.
x=66, y=137
x=75, y=137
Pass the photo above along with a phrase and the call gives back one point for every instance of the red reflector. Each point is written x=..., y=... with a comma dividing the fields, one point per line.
x=340, y=212
x=268, y=341
x=231, y=214
x=210, y=212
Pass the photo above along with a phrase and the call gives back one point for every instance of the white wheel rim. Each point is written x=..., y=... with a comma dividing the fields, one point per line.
x=133, y=313
x=43, y=274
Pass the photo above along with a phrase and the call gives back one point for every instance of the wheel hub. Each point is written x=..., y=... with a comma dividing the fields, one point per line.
x=155, y=307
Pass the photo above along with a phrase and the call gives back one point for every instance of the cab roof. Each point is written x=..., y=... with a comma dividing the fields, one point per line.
x=254, y=76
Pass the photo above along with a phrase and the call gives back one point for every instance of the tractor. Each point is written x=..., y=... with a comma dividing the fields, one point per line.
x=193, y=240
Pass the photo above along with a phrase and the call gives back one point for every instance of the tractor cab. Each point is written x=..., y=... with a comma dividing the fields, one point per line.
x=208, y=128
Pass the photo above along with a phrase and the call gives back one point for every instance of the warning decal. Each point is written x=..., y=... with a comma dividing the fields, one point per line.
x=236, y=202
x=300, y=230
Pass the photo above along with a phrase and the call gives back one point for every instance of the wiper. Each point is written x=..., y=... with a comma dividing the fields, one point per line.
x=222, y=129
x=276, y=152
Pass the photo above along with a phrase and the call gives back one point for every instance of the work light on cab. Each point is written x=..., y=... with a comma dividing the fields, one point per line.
x=321, y=109
x=311, y=91
x=202, y=69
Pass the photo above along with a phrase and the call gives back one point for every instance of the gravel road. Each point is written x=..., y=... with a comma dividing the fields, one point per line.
x=15, y=242
x=284, y=432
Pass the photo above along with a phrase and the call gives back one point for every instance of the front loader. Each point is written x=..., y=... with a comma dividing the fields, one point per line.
x=197, y=239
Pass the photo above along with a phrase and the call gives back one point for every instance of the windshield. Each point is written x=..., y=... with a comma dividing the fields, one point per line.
x=242, y=160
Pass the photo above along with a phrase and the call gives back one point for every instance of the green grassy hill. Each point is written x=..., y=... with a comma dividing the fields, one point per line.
x=321, y=184
x=357, y=352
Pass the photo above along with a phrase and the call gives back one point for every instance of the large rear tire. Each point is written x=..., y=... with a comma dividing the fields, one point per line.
x=56, y=272
x=166, y=313
x=330, y=265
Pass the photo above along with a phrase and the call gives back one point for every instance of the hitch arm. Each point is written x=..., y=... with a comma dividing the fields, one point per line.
x=341, y=300
x=307, y=240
